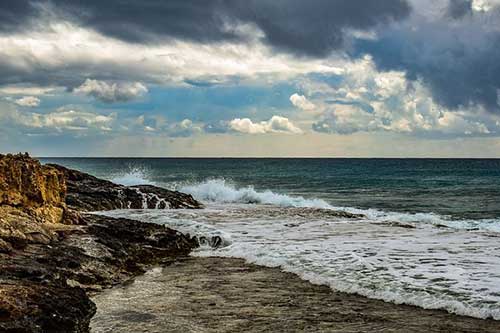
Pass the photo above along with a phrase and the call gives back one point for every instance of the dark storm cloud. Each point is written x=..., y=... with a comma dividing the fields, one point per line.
x=459, y=8
x=458, y=62
x=15, y=15
x=313, y=27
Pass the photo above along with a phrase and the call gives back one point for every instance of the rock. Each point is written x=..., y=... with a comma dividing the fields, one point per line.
x=32, y=202
x=88, y=193
x=52, y=255
x=46, y=287
x=38, y=189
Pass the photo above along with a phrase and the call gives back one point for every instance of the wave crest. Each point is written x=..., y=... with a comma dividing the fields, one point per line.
x=218, y=190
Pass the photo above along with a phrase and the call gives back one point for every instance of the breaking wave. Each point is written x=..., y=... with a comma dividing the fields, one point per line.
x=221, y=191
x=218, y=190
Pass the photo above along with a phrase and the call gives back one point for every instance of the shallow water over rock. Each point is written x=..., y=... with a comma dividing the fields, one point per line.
x=227, y=295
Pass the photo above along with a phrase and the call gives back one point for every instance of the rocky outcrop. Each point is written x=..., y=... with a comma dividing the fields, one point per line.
x=88, y=193
x=52, y=255
x=37, y=189
x=32, y=202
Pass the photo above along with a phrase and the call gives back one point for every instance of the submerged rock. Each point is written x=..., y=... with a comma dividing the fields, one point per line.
x=88, y=193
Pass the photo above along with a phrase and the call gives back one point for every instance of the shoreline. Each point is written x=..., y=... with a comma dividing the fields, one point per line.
x=56, y=257
x=53, y=255
x=214, y=294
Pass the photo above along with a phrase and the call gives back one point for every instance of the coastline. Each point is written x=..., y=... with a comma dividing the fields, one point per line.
x=59, y=265
x=213, y=294
x=53, y=255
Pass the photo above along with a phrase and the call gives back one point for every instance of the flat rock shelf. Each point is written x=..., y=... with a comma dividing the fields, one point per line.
x=229, y=295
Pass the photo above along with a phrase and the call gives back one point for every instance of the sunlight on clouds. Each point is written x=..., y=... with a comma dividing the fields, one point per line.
x=484, y=5
x=92, y=54
x=276, y=124
x=62, y=120
x=370, y=100
x=302, y=102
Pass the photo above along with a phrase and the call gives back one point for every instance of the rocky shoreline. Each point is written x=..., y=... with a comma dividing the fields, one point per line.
x=54, y=255
x=58, y=263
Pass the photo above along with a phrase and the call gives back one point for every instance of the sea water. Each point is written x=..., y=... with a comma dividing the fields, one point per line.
x=429, y=235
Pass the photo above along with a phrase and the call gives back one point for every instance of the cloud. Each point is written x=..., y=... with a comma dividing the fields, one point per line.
x=184, y=128
x=484, y=5
x=276, y=124
x=28, y=101
x=62, y=120
x=459, y=8
x=37, y=59
x=112, y=92
x=302, y=102
x=323, y=23
x=366, y=100
x=455, y=59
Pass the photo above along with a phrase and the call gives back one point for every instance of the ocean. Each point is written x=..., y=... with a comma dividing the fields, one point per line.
x=430, y=236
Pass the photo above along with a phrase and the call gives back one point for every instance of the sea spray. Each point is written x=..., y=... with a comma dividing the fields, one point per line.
x=134, y=176
x=219, y=190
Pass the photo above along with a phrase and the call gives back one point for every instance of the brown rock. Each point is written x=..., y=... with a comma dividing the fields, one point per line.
x=36, y=189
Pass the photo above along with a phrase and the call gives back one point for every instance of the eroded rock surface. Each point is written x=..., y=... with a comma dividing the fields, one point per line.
x=32, y=202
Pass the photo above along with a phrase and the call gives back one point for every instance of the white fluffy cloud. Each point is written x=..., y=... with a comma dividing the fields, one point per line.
x=301, y=102
x=276, y=124
x=28, y=101
x=184, y=128
x=367, y=100
x=484, y=5
x=112, y=92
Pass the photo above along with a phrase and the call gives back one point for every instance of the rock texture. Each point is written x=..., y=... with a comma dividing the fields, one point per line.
x=44, y=288
x=52, y=256
x=32, y=202
x=88, y=193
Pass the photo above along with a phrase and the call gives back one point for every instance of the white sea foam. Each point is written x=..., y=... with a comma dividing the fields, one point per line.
x=434, y=268
x=221, y=191
x=134, y=176
x=396, y=257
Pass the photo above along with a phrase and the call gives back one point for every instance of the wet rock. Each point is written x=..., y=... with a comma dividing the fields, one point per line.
x=88, y=193
x=46, y=287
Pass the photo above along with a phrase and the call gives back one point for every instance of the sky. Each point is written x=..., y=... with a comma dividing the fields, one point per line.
x=253, y=78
